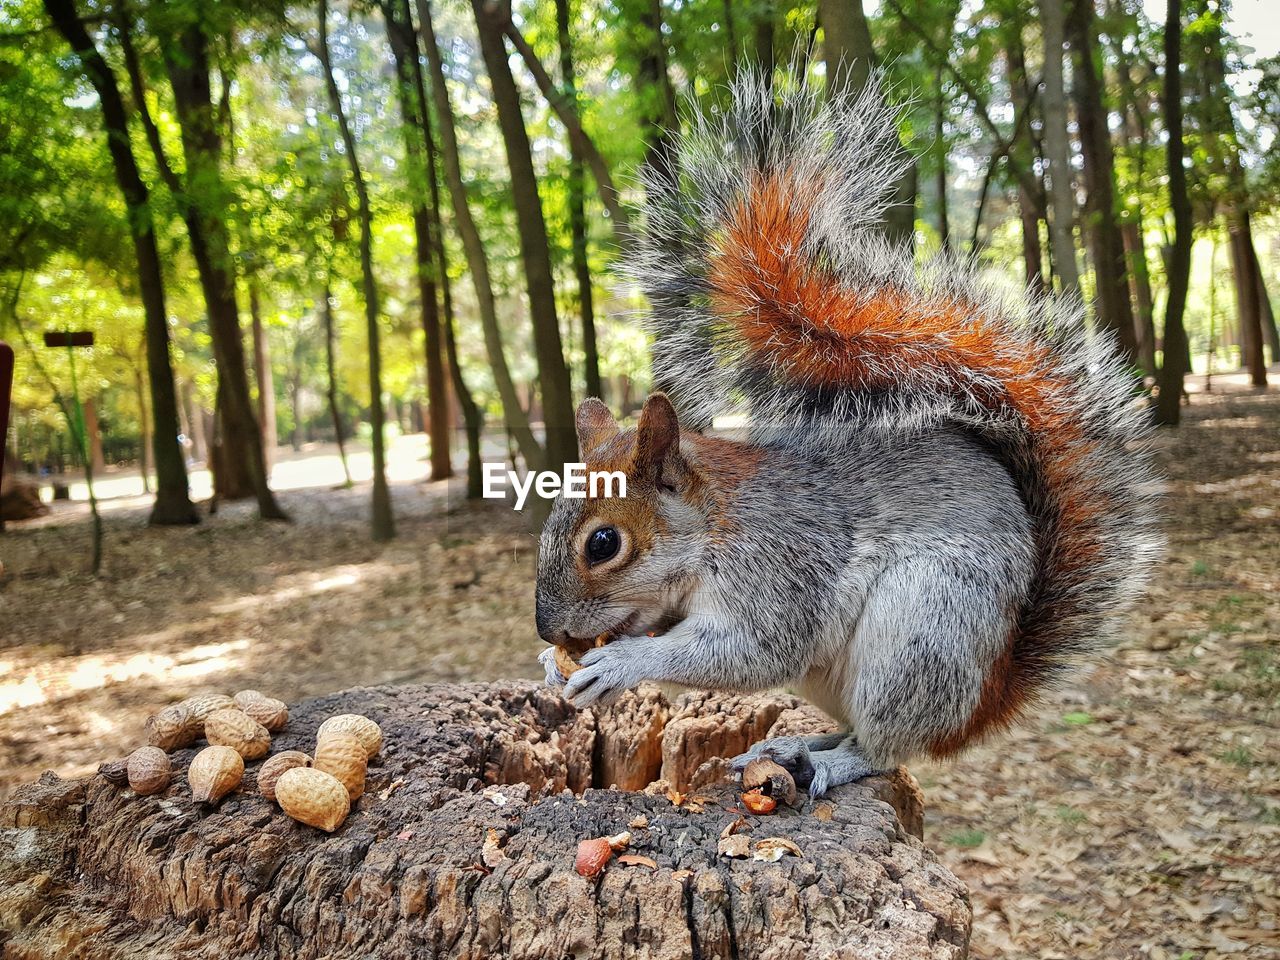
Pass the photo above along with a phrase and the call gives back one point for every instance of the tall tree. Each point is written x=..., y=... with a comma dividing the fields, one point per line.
x=1056, y=148
x=515, y=417
x=1030, y=201
x=184, y=33
x=535, y=252
x=173, y=502
x=416, y=130
x=1115, y=312
x=850, y=61
x=1226, y=155
x=1173, y=367
x=262, y=374
x=382, y=522
x=577, y=213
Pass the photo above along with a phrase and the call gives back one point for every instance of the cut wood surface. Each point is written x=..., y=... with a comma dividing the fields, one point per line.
x=90, y=870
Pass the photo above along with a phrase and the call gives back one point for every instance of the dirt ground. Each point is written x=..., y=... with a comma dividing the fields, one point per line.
x=1135, y=814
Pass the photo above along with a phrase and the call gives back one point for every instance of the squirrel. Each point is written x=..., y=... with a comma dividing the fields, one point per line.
x=943, y=494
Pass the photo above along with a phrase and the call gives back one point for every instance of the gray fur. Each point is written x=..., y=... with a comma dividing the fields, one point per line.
x=892, y=544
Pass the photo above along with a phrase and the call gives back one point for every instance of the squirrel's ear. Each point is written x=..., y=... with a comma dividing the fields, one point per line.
x=595, y=424
x=657, y=435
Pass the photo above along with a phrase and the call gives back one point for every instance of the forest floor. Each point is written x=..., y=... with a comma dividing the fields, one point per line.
x=1135, y=814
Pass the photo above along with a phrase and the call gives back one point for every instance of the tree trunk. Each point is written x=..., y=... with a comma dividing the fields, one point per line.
x=144, y=424
x=1174, y=366
x=382, y=523
x=265, y=381
x=195, y=421
x=1115, y=313
x=654, y=79
x=553, y=374
x=1269, y=332
x=415, y=125
x=331, y=380
x=93, y=435
x=517, y=422
x=1140, y=288
x=463, y=845
x=850, y=59
x=1023, y=154
x=187, y=61
x=577, y=214
x=472, y=417
x=1244, y=270
x=940, y=153
x=1057, y=151
x=173, y=500
x=565, y=105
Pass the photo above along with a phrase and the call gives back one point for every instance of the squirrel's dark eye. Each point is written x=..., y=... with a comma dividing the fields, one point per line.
x=603, y=544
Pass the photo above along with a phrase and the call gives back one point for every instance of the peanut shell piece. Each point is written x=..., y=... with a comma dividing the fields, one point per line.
x=200, y=706
x=171, y=729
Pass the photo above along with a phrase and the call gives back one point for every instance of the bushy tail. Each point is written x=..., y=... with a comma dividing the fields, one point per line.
x=772, y=290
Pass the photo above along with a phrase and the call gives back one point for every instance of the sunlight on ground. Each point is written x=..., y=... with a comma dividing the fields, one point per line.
x=315, y=465
x=97, y=671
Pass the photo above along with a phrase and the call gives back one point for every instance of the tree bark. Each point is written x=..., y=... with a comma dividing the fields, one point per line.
x=940, y=152
x=1023, y=152
x=535, y=254
x=415, y=126
x=239, y=461
x=173, y=499
x=382, y=523
x=407, y=874
x=1140, y=289
x=1115, y=312
x=144, y=425
x=851, y=59
x=265, y=381
x=1269, y=332
x=517, y=421
x=1057, y=152
x=331, y=380
x=93, y=435
x=1244, y=270
x=1174, y=366
x=472, y=417
x=577, y=213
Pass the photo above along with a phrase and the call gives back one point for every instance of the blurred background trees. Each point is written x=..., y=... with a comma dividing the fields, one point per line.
x=357, y=219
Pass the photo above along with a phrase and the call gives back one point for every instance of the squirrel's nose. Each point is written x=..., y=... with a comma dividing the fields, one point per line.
x=547, y=629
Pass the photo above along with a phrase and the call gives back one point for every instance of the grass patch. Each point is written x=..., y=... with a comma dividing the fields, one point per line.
x=1238, y=756
x=967, y=839
x=1077, y=718
x=1069, y=814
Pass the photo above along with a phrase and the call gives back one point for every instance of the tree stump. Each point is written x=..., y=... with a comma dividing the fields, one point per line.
x=89, y=870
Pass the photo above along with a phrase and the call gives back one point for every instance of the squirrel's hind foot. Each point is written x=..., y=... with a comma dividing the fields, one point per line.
x=818, y=763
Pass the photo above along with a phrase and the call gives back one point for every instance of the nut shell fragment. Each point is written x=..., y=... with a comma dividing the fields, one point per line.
x=268, y=711
x=273, y=769
x=214, y=772
x=232, y=727
x=313, y=797
x=565, y=663
x=771, y=779
x=364, y=729
x=148, y=770
x=592, y=857
x=343, y=756
x=757, y=802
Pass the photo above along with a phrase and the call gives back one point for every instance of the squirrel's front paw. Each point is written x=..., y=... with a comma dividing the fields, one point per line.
x=607, y=673
x=555, y=678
